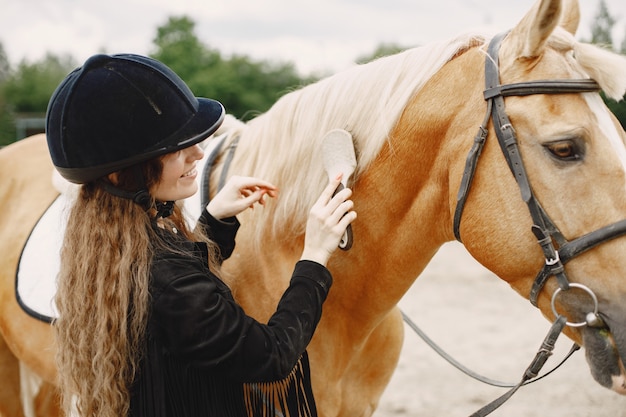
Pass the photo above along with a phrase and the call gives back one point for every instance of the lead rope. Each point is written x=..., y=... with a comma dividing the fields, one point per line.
x=533, y=369
x=474, y=375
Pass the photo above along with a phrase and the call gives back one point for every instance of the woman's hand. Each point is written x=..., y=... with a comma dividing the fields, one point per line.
x=328, y=219
x=238, y=194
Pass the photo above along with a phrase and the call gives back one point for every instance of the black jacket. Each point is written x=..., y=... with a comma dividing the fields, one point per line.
x=206, y=357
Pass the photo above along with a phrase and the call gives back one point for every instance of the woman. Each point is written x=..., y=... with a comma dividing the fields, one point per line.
x=146, y=327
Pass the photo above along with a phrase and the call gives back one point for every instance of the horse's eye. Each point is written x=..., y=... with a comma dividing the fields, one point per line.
x=564, y=150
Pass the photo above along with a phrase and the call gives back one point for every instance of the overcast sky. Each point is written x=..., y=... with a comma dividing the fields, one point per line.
x=316, y=35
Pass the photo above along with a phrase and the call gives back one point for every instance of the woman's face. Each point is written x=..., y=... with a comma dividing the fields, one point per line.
x=178, y=180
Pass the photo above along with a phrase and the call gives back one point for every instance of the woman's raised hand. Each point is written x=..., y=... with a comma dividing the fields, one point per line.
x=238, y=194
x=328, y=219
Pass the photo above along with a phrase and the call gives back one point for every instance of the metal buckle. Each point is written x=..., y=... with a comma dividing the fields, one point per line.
x=555, y=260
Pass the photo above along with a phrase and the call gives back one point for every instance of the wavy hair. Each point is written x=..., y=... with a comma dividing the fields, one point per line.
x=103, y=295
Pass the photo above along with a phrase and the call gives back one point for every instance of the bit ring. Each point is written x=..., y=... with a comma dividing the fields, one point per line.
x=588, y=291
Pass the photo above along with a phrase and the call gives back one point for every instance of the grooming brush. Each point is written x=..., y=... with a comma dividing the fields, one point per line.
x=338, y=155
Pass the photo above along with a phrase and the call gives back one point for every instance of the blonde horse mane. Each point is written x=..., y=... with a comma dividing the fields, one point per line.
x=283, y=145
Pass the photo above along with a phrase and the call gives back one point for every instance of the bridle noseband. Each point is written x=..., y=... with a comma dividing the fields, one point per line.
x=544, y=229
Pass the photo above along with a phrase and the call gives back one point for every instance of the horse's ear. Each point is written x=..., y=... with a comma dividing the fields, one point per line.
x=570, y=17
x=529, y=36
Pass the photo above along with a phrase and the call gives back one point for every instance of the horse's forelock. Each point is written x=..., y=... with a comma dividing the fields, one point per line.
x=607, y=68
x=600, y=64
x=283, y=145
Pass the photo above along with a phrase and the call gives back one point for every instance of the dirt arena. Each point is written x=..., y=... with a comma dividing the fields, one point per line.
x=489, y=328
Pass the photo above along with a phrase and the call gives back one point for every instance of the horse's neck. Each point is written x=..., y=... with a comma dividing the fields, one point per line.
x=404, y=201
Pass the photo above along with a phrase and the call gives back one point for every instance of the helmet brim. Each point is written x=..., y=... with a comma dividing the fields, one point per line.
x=203, y=124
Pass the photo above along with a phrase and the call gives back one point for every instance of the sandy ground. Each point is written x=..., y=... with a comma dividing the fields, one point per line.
x=488, y=327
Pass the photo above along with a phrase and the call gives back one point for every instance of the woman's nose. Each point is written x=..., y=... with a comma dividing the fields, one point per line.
x=196, y=152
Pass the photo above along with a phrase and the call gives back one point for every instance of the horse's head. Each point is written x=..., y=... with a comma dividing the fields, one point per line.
x=573, y=156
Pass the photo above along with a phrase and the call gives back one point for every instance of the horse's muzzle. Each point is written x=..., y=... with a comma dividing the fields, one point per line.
x=605, y=350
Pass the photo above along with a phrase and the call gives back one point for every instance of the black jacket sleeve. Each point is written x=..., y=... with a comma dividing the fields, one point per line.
x=198, y=321
x=221, y=232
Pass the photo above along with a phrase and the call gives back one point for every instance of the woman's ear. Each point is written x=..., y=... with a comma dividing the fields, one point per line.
x=113, y=177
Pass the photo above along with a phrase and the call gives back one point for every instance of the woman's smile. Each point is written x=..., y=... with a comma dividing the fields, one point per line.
x=191, y=173
x=178, y=179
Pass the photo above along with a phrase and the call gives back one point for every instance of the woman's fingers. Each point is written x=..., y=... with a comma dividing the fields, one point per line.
x=328, y=219
x=238, y=194
x=338, y=205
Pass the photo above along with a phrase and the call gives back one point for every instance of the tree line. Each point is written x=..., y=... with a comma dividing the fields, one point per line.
x=245, y=86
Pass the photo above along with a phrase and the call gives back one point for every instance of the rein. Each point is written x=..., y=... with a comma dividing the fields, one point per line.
x=209, y=164
x=543, y=227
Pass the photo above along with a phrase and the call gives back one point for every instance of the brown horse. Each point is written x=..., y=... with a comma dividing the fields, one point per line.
x=413, y=117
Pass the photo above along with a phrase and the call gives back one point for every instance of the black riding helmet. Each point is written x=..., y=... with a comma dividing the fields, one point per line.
x=117, y=111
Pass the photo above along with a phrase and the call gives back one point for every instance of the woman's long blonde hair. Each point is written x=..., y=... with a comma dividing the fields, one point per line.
x=103, y=296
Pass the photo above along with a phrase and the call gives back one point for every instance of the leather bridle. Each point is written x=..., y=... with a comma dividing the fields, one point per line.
x=556, y=249
x=544, y=229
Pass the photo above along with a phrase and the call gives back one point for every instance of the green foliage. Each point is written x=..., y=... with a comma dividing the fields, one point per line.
x=618, y=109
x=29, y=88
x=7, y=126
x=602, y=26
x=245, y=87
x=601, y=30
x=7, y=130
x=4, y=65
x=178, y=47
x=384, y=49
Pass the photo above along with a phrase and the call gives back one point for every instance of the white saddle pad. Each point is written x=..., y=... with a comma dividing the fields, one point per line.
x=39, y=262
